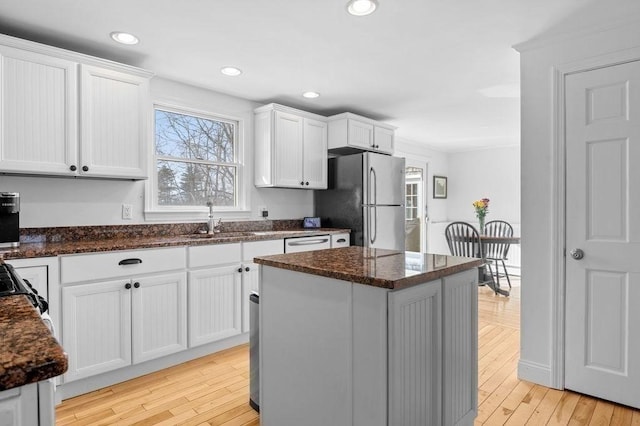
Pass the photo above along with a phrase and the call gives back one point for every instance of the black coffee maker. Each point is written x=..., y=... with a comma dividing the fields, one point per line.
x=9, y=219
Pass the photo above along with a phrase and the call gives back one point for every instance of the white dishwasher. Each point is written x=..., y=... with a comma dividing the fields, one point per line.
x=298, y=244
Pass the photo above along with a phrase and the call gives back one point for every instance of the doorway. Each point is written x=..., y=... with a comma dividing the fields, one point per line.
x=416, y=217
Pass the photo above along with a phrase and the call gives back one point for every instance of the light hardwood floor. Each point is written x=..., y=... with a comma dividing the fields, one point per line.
x=214, y=390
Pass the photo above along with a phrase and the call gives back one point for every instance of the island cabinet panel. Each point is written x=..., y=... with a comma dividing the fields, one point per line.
x=305, y=350
x=460, y=322
x=415, y=355
x=343, y=353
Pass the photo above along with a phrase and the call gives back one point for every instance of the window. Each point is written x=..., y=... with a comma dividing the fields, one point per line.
x=413, y=187
x=196, y=160
x=411, y=196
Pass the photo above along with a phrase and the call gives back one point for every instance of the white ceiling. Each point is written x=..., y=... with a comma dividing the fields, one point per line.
x=421, y=65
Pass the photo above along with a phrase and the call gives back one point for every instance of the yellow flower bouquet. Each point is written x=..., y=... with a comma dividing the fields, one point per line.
x=482, y=209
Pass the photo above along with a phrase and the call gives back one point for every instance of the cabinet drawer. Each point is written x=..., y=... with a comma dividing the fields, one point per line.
x=216, y=254
x=340, y=240
x=252, y=249
x=89, y=267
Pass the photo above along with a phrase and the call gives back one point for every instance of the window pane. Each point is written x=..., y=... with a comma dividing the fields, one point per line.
x=185, y=136
x=189, y=184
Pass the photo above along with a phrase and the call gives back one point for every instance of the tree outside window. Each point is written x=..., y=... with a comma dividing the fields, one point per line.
x=196, y=160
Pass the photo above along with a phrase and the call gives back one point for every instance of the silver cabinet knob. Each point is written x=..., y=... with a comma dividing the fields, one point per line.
x=577, y=254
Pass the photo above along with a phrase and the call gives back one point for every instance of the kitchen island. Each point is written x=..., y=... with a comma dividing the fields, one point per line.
x=355, y=336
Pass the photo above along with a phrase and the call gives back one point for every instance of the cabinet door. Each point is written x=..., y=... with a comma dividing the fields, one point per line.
x=288, y=135
x=383, y=139
x=415, y=342
x=159, y=316
x=18, y=406
x=315, y=154
x=38, y=96
x=214, y=304
x=250, y=283
x=360, y=134
x=96, y=327
x=113, y=123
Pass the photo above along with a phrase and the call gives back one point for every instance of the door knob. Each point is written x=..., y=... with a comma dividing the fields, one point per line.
x=577, y=254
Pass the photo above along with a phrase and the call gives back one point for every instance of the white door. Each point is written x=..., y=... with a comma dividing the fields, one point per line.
x=96, y=327
x=315, y=154
x=38, y=113
x=603, y=220
x=415, y=206
x=288, y=150
x=159, y=316
x=113, y=123
x=214, y=304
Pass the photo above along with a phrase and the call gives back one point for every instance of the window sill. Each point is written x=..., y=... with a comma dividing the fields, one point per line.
x=194, y=215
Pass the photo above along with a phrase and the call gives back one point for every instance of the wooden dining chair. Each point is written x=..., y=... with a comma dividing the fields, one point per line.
x=497, y=252
x=464, y=240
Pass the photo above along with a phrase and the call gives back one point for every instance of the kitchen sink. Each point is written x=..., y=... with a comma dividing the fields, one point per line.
x=220, y=235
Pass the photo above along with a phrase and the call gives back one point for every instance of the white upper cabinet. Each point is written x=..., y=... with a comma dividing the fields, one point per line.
x=291, y=148
x=38, y=112
x=350, y=133
x=68, y=114
x=112, y=113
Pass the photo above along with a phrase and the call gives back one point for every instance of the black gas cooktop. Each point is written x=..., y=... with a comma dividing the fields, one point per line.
x=11, y=285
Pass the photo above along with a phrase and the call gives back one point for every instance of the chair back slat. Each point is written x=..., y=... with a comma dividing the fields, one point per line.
x=463, y=240
x=497, y=228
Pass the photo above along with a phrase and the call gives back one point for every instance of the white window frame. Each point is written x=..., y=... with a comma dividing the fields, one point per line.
x=156, y=212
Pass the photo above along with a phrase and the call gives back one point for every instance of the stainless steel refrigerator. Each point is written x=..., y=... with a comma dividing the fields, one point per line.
x=366, y=194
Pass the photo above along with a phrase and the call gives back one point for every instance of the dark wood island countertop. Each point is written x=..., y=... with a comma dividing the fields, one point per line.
x=29, y=353
x=376, y=267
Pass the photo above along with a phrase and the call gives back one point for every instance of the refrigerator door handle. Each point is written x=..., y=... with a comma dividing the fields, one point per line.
x=375, y=225
x=373, y=186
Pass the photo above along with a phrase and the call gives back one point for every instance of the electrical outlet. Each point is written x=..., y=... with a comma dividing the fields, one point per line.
x=127, y=211
x=263, y=211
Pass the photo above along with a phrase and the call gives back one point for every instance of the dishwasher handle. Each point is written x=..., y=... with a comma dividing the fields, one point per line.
x=308, y=242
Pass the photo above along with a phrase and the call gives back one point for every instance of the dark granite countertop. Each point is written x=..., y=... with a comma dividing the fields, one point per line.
x=376, y=267
x=29, y=353
x=88, y=243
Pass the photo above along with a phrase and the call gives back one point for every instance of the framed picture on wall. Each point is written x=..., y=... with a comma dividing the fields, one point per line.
x=439, y=187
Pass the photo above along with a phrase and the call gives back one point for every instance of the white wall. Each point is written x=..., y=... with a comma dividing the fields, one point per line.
x=487, y=173
x=596, y=42
x=69, y=202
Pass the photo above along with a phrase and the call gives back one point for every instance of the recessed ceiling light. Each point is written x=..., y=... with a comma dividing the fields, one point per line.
x=362, y=7
x=231, y=71
x=124, y=38
x=310, y=95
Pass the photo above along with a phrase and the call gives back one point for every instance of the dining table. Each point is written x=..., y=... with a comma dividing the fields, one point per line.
x=483, y=277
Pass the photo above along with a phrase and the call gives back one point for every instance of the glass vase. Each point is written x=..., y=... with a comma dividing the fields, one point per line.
x=481, y=228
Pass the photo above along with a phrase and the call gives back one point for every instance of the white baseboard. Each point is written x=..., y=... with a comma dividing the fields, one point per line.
x=535, y=373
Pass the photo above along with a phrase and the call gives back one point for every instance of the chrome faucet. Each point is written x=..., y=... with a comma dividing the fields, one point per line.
x=212, y=226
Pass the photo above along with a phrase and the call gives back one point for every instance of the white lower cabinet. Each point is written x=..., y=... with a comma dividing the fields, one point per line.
x=215, y=277
x=340, y=353
x=18, y=406
x=121, y=308
x=112, y=324
x=214, y=304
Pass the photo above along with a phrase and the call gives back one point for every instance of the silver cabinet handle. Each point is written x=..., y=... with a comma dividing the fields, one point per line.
x=307, y=242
